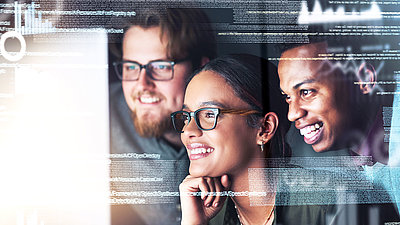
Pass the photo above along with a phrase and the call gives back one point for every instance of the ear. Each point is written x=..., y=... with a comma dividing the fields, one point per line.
x=204, y=60
x=367, y=78
x=269, y=126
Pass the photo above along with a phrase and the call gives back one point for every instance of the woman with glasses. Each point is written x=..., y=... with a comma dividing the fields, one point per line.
x=234, y=118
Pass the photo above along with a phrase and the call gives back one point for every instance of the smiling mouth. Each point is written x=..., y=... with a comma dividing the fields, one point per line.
x=198, y=153
x=149, y=100
x=312, y=133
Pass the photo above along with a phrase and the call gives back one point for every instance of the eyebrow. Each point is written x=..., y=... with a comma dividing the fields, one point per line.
x=207, y=103
x=213, y=103
x=303, y=82
x=162, y=59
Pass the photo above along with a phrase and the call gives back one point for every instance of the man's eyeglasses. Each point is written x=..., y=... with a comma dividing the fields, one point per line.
x=205, y=118
x=157, y=70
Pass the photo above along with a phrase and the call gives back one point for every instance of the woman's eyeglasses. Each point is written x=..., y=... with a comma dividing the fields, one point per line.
x=205, y=118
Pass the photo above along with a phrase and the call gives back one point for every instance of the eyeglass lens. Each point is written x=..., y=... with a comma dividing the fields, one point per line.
x=158, y=70
x=205, y=119
x=180, y=120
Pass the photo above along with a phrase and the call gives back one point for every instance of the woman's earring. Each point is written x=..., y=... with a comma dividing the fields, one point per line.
x=262, y=147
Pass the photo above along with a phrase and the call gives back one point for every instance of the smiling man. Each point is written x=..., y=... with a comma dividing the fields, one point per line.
x=160, y=49
x=332, y=106
x=152, y=80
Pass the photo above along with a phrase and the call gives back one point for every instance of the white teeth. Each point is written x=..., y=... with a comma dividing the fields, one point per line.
x=310, y=130
x=309, y=135
x=201, y=150
x=149, y=99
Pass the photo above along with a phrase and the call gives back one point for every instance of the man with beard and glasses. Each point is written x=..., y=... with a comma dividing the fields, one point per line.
x=161, y=47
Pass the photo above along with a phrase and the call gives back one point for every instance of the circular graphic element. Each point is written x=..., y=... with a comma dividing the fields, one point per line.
x=12, y=56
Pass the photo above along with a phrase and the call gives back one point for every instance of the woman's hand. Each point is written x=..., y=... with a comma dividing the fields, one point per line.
x=200, y=209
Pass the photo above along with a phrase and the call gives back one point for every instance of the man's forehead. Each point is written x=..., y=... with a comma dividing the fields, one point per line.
x=303, y=65
x=312, y=50
x=144, y=45
x=139, y=29
x=301, y=68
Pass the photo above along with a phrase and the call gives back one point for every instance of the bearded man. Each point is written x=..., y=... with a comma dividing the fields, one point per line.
x=160, y=49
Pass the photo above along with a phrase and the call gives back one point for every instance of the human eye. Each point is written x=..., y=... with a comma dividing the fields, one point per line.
x=209, y=114
x=181, y=116
x=130, y=66
x=307, y=93
x=285, y=96
x=161, y=66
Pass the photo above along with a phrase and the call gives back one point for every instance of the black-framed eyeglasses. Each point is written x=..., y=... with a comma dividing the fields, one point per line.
x=160, y=70
x=205, y=118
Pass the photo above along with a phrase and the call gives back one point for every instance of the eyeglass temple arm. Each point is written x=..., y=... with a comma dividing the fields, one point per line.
x=242, y=112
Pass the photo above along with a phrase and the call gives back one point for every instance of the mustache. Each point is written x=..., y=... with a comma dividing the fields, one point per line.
x=148, y=93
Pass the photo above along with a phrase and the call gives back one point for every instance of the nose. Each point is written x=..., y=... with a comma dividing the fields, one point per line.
x=144, y=81
x=295, y=111
x=191, y=129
